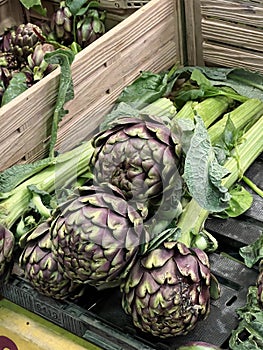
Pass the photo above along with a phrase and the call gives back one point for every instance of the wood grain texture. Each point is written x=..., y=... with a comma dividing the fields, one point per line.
x=220, y=31
x=231, y=33
x=239, y=11
x=149, y=39
x=217, y=55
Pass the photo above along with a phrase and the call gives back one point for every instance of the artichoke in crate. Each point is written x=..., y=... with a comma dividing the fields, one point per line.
x=37, y=65
x=5, y=40
x=167, y=291
x=62, y=25
x=23, y=40
x=141, y=156
x=7, y=245
x=96, y=236
x=8, y=66
x=42, y=269
x=90, y=27
x=259, y=284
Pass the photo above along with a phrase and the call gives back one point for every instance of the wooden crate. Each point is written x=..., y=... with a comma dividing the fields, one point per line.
x=11, y=14
x=149, y=39
x=225, y=33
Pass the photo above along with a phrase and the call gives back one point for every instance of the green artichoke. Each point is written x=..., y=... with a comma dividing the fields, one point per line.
x=140, y=156
x=7, y=245
x=90, y=27
x=41, y=268
x=167, y=291
x=23, y=40
x=96, y=236
x=62, y=24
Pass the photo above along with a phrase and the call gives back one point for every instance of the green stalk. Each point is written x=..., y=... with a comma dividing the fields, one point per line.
x=250, y=110
x=253, y=186
x=193, y=216
x=67, y=168
x=162, y=107
x=209, y=109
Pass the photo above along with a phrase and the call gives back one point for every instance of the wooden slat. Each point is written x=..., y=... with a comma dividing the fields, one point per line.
x=192, y=9
x=228, y=57
x=149, y=39
x=238, y=36
x=231, y=33
x=240, y=11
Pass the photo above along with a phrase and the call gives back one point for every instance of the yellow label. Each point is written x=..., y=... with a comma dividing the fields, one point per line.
x=20, y=330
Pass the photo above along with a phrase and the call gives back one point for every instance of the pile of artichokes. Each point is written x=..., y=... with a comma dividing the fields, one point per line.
x=100, y=235
x=23, y=47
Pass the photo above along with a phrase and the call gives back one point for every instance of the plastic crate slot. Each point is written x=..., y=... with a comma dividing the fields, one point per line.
x=228, y=283
x=231, y=300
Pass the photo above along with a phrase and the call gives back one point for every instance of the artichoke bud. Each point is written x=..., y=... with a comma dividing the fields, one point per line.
x=42, y=269
x=7, y=245
x=259, y=284
x=59, y=17
x=97, y=235
x=23, y=40
x=5, y=40
x=61, y=24
x=37, y=63
x=167, y=291
x=90, y=28
x=138, y=156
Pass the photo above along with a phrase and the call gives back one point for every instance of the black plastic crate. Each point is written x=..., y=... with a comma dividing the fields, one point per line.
x=99, y=318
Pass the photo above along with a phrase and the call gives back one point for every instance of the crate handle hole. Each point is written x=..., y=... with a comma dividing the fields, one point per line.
x=231, y=300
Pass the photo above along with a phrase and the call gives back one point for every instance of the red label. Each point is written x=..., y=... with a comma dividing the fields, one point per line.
x=7, y=344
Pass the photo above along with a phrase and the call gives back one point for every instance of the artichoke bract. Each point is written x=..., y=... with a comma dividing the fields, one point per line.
x=42, y=269
x=96, y=236
x=7, y=244
x=141, y=157
x=167, y=291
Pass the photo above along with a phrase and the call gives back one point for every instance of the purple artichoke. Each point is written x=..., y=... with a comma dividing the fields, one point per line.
x=7, y=244
x=41, y=268
x=167, y=291
x=96, y=236
x=141, y=157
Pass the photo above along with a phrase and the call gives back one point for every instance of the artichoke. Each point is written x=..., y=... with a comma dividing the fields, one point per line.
x=91, y=27
x=62, y=24
x=167, y=291
x=140, y=156
x=8, y=66
x=5, y=40
x=259, y=284
x=96, y=236
x=23, y=40
x=41, y=268
x=7, y=245
x=36, y=63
